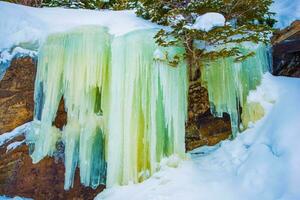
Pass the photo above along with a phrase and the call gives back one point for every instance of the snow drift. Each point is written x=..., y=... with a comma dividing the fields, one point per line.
x=261, y=163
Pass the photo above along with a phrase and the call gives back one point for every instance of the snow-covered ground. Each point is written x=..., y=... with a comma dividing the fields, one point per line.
x=22, y=24
x=262, y=163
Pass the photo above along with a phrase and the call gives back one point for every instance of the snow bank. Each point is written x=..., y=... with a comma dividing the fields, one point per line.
x=261, y=163
x=6, y=137
x=21, y=24
x=286, y=12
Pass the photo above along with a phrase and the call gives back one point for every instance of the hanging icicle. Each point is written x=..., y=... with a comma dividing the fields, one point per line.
x=125, y=109
x=148, y=108
x=229, y=82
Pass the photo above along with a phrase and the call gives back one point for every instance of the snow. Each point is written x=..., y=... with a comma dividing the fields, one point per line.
x=23, y=28
x=8, y=54
x=14, y=145
x=286, y=12
x=6, y=137
x=20, y=24
x=14, y=198
x=261, y=163
x=208, y=21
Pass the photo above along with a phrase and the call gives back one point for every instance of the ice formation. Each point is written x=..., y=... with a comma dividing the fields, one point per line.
x=125, y=109
x=229, y=82
x=148, y=108
x=126, y=105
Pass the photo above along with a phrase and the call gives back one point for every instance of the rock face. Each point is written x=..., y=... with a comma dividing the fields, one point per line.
x=44, y=180
x=202, y=128
x=16, y=94
x=18, y=176
x=286, y=51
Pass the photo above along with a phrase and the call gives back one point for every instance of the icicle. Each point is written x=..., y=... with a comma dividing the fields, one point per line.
x=85, y=74
x=148, y=109
x=48, y=92
x=125, y=110
x=73, y=65
x=229, y=83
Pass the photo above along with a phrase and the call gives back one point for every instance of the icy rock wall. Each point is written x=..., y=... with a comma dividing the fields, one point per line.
x=126, y=106
x=229, y=82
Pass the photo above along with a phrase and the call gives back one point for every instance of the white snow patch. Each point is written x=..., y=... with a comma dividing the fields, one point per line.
x=14, y=145
x=13, y=198
x=6, y=55
x=6, y=137
x=19, y=24
x=261, y=163
x=208, y=21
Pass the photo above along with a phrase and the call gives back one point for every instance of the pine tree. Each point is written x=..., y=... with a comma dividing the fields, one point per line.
x=88, y=4
x=92, y=4
x=245, y=20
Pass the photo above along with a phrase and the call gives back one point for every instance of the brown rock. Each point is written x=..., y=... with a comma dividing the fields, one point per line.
x=34, y=3
x=16, y=94
x=286, y=51
x=61, y=115
x=44, y=180
x=197, y=100
x=202, y=128
x=207, y=130
x=289, y=33
x=18, y=176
